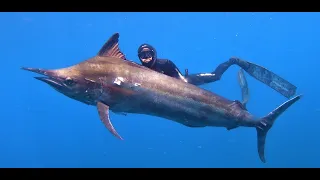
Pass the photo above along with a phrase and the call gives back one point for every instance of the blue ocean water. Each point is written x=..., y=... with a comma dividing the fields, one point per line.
x=42, y=128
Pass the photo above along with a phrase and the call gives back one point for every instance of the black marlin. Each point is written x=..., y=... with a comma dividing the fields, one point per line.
x=111, y=82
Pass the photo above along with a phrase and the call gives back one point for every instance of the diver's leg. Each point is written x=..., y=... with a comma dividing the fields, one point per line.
x=204, y=78
x=260, y=73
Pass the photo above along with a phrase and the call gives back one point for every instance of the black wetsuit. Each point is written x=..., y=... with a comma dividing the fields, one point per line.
x=167, y=67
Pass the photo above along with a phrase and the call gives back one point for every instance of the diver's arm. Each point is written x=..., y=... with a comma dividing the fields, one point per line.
x=172, y=70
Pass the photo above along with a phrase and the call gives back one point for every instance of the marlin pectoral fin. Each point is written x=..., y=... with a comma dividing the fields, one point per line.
x=104, y=117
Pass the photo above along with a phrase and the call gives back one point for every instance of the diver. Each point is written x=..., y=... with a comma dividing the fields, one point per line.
x=148, y=57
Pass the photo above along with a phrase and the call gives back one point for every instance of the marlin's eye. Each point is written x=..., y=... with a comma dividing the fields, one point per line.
x=69, y=81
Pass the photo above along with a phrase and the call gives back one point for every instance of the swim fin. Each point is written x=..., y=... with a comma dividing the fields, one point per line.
x=267, y=77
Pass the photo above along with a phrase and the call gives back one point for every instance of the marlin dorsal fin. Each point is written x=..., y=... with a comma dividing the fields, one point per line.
x=111, y=48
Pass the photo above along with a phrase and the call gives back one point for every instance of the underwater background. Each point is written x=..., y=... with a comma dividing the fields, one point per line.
x=40, y=127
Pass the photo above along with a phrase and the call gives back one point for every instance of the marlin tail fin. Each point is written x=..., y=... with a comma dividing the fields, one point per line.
x=265, y=123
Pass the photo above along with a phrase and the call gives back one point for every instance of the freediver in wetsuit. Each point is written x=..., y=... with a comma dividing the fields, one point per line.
x=148, y=57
